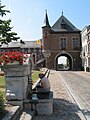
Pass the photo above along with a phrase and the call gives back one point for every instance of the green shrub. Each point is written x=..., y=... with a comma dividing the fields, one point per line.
x=1, y=105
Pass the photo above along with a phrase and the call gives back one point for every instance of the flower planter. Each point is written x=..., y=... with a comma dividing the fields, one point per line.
x=14, y=63
x=9, y=58
x=18, y=81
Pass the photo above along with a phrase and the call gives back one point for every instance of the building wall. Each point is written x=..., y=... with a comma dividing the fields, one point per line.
x=85, y=47
x=55, y=41
x=75, y=57
x=52, y=43
x=88, y=47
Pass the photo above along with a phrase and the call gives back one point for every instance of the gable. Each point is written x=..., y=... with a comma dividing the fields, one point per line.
x=63, y=24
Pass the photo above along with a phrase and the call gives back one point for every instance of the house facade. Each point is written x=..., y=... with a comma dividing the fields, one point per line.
x=85, y=55
x=88, y=36
x=62, y=39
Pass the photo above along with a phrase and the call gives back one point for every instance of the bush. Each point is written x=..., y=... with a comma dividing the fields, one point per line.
x=1, y=105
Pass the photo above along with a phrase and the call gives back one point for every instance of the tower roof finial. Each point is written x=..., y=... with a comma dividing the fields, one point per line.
x=46, y=11
x=62, y=12
x=46, y=21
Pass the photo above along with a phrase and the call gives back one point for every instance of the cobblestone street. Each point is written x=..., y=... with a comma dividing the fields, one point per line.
x=65, y=107
x=78, y=83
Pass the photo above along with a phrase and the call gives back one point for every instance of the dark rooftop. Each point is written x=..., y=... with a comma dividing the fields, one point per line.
x=63, y=24
x=28, y=44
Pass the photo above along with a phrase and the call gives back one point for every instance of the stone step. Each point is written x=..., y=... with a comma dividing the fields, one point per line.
x=17, y=114
x=26, y=115
x=13, y=113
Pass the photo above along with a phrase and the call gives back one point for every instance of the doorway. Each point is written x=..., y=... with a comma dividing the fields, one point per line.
x=63, y=62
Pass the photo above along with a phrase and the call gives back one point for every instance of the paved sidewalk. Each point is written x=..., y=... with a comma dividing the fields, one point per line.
x=65, y=107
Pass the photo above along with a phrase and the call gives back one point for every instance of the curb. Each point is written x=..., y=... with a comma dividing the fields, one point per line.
x=13, y=114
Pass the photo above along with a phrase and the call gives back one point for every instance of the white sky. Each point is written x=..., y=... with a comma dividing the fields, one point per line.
x=62, y=60
x=28, y=15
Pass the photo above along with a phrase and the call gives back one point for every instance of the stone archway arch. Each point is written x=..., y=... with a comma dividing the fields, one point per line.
x=66, y=55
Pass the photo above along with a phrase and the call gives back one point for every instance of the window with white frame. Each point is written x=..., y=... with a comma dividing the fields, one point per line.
x=63, y=43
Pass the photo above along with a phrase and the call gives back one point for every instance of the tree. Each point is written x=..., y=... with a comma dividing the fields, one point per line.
x=6, y=35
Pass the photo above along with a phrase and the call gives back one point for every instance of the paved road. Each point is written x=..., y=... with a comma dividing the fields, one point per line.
x=78, y=83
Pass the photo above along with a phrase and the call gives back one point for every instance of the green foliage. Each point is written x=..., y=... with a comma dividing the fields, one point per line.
x=3, y=11
x=6, y=35
x=2, y=109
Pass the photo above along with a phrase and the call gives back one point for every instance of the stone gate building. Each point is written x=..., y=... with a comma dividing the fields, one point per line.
x=62, y=39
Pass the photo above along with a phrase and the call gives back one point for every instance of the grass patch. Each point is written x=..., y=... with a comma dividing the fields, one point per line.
x=2, y=107
x=2, y=82
x=2, y=85
x=2, y=91
x=35, y=76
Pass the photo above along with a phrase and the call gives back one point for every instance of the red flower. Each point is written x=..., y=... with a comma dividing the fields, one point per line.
x=10, y=57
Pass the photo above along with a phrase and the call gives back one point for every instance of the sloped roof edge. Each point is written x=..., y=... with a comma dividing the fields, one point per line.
x=69, y=25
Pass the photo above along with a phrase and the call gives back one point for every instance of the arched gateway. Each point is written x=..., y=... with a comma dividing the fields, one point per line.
x=62, y=39
x=69, y=61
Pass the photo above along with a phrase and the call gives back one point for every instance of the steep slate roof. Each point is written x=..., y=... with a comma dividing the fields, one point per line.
x=63, y=21
x=46, y=21
x=28, y=44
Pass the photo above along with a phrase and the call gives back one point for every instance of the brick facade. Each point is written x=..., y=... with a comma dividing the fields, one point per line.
x=52, y=43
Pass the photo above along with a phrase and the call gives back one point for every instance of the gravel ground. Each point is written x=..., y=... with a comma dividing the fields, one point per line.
x=64, y=107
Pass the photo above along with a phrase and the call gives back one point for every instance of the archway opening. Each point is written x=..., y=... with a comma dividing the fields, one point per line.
x=63, y=62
